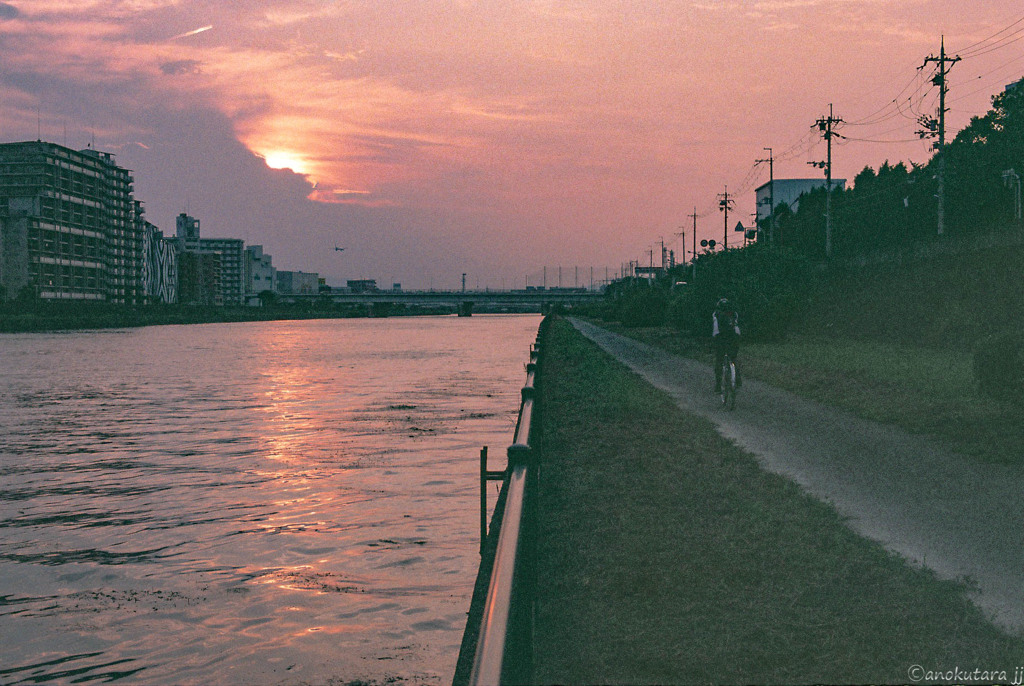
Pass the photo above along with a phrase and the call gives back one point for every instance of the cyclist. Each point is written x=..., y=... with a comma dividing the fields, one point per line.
x=725, y=338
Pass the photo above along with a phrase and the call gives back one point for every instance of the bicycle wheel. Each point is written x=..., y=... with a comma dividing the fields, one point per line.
x=731, y=386
x=727, y=381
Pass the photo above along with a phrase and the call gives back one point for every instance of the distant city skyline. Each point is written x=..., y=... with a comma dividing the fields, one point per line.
x=433, y=139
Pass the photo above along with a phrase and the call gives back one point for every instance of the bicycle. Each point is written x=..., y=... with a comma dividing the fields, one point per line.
x=728, y=383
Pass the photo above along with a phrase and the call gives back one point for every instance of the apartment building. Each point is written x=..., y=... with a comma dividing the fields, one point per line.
x=298, y=283
x=230, y=277
x=68, y=229
x=159, y=262
x=232, y=267
x=260, y=273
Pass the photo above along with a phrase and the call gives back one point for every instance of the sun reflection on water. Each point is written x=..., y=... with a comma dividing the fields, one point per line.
x=310, y=502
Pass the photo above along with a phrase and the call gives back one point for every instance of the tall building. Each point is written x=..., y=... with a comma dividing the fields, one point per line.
x=187, y=232
x=229, y=265
x=199, y=278
x=260, y=273
x=67, y=225
x=231, y=252
x=159, y=262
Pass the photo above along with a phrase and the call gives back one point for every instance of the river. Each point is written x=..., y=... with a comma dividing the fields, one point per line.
x=260, y=503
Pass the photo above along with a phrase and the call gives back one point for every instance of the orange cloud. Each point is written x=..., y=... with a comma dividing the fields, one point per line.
x=559, y=117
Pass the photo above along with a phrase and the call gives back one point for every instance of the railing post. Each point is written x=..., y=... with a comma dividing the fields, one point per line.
x=483, y=498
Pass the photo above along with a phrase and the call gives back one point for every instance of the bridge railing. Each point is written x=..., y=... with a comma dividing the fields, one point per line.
x=504, y=644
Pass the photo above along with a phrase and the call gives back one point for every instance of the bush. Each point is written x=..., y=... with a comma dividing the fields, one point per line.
x=642, y=306
x=768, y=289
x=683, y=313
x=999, y=366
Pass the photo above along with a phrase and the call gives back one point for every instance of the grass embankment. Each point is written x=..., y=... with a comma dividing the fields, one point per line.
x=925, y=390
x=667, y=555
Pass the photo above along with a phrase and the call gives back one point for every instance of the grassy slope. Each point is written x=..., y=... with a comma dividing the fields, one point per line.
x=894, y=343
x=668, y=556
x=924, y=390
x=945, y=300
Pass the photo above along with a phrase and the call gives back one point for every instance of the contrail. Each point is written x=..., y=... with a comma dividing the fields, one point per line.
x=192, y=33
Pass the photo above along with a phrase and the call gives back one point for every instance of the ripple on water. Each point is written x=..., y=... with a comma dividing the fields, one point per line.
x=172, y=511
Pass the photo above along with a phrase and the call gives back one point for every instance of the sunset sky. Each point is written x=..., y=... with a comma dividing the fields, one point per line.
x=493, y=138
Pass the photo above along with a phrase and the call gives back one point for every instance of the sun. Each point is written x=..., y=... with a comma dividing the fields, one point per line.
x=282, y=159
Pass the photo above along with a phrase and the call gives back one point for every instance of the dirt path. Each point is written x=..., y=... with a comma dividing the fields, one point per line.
x=932, y=506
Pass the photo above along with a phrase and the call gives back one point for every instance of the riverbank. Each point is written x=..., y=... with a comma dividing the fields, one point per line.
x=670, y=556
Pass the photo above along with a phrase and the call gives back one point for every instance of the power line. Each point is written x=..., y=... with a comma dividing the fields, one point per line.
x=866, y=120
x=1004, y=44
x=873, y=140
x=988, y=73
x=985, y=40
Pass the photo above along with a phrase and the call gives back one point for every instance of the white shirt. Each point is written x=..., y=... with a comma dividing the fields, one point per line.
x=714, y=324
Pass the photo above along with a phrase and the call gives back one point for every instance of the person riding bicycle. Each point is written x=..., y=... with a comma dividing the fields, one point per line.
x=725, y=338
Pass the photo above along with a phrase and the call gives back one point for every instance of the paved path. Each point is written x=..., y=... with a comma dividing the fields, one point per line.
x=934, y=507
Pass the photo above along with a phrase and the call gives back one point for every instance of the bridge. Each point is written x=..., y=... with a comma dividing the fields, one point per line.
x=539, y=299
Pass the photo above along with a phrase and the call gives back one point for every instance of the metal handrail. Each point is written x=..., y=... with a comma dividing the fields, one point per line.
x=522, y=435
x=497, y=624
x=494, y=627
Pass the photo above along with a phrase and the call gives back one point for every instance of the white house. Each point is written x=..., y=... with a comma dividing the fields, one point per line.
x=787, y=191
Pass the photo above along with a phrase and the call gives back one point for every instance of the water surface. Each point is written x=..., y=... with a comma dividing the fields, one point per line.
x=258, y=503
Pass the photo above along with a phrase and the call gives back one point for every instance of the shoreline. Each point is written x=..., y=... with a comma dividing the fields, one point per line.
x=88, y=316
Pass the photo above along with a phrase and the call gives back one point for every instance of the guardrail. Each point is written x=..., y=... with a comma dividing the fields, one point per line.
x=504, y=643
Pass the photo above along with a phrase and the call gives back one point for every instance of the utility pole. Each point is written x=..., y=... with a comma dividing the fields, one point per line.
x=827, y=127
x=724, y=203
x=681, y=234
x=929, y=123
x=693, y=275
x=771, y=198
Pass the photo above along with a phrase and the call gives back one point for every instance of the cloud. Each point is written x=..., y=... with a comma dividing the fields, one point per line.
x=348, y=197
x=178, y=67
x=350, y=56
x=542, y=121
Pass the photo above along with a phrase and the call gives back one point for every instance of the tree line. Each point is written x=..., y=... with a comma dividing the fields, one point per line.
x=896, y=208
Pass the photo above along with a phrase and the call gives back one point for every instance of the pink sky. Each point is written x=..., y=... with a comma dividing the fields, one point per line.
x=492, y=138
